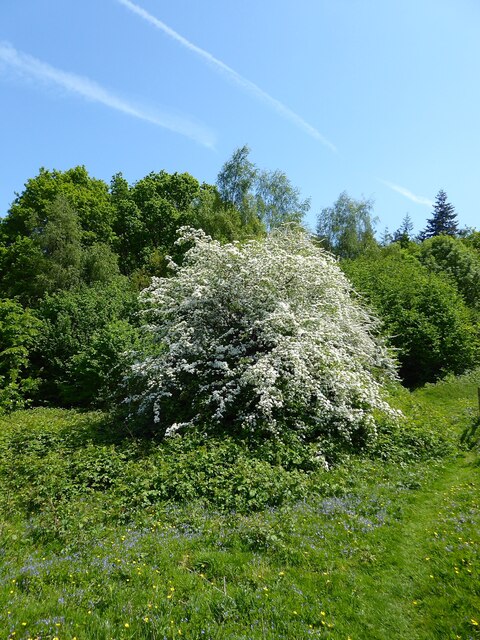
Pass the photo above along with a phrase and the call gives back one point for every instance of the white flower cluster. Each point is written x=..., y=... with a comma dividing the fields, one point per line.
x=265, y=336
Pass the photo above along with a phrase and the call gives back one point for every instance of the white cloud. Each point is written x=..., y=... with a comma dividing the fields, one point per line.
x=408, y=194
x=31, y=67
x=231, y=74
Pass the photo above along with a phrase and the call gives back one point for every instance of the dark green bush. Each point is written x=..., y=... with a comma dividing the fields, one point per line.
x=424, y=316
x=459, y=262
x=85, y=332
x=18, y=331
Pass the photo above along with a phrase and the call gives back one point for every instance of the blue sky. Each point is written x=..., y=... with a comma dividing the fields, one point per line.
x=376, y=97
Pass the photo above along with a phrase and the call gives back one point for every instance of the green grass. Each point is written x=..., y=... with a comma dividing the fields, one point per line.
x=372, y=549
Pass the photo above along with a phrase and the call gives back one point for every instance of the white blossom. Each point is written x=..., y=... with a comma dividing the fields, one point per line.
x=264, y=336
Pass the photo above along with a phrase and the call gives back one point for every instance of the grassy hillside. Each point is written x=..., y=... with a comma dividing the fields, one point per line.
x=107, y=536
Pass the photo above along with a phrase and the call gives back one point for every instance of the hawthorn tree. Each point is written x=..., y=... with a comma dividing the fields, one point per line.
x=260, y=337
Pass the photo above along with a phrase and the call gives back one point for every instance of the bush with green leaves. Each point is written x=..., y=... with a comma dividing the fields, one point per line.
x=426, y=319
x=459, y=262
x=85, y=332
x=18, y=331
x=265, y=338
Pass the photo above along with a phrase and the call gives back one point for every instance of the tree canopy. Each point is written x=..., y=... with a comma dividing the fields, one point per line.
x=424, y=316
x=75, y=252
x=87, y=196
x=458, y=261
x=347, y=227
x=267, y=195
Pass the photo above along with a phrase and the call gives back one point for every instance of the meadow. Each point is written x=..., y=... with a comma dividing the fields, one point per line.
x=104, y=535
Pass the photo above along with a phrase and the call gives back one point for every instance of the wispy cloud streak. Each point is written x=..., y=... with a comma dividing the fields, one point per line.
x=231, y=74
x=31, y=67
x=408, y=194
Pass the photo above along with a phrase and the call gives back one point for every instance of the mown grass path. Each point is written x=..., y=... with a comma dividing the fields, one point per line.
x=425, y=581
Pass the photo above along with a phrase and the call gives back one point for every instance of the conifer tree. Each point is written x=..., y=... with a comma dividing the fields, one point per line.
x=386, y=238
x=444, y=219
x=403, y=234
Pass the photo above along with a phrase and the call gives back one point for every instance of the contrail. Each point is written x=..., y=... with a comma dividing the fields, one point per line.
x=25, y=64
x=246, y=84
x=408, y=194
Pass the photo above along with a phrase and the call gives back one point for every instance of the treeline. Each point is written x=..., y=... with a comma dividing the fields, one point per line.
x=75, y=252
x=424, y=288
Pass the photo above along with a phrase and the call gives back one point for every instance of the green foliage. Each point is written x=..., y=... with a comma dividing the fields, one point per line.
x=346, y=228
x=221, y=220
x=21, y=262
x=18, y=331
x=472, y=239
x=99, y=264
x=427, y=321
x=53, y=256
x=60, y=246
x=88, y=453
x=224, y=473
x=403, y=235
x=433, y=418
x=60, y=457
x=164, y=200
x=87, y=196
x=268, y=196
x=236, y=179
x=97, y=370
x=450, y=256
x=103, y=536
x=278, y=201
x=150, y=213
x=85, y=331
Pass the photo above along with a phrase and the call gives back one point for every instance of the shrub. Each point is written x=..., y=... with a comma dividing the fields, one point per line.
x=264, y=337
x=18, y=330
x=444, y=254
x=98, y=368
x=84, y=334
x=425, y=317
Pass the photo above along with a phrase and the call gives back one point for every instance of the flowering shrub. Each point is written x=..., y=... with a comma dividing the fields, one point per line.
x=261, y=337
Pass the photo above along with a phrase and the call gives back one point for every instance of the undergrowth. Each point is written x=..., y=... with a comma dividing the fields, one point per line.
x=104, y=535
